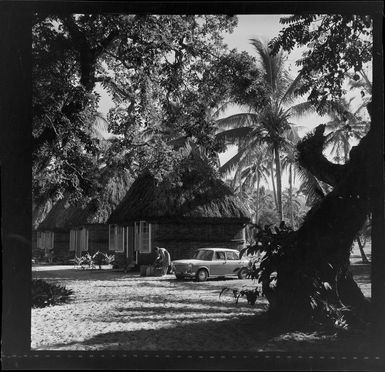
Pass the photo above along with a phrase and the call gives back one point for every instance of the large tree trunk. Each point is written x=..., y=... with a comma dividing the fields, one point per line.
x=312, y=273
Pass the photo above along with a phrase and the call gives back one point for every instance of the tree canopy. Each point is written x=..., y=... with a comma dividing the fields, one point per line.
x=166, y=75
x=336, y=44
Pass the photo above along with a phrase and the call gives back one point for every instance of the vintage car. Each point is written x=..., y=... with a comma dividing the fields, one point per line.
x=211, y=262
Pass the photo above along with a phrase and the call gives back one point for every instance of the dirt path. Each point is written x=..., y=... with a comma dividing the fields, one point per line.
x=116, y=311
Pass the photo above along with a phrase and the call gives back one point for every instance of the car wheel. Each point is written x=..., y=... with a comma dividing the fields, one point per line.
x=202, y=275
x=242, y=273
x=179, y=277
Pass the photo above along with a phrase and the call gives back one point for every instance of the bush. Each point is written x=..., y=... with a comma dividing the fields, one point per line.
x=46, y=294
x=38, y=255
x=99, y=259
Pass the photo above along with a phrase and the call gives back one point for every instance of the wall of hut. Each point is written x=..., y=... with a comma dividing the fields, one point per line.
x=61, y=246
x=182, y=239
x=97, y=238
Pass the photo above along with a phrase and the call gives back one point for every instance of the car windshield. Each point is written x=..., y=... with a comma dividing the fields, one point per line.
x=203, y=255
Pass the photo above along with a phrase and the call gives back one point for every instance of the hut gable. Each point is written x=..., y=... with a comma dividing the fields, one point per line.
x=199, y=195
x=65, y=215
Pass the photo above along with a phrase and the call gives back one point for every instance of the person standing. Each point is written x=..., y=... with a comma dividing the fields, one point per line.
x=163, y=260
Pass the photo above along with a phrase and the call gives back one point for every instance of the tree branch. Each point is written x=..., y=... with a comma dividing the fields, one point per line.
x=311, y=158
x=106, y=42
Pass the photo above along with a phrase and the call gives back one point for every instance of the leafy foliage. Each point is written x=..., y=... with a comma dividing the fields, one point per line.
x=47, y=294
x=165, y=74
x=63, y=113
x=270, y=245
x=346, y=126
x=98, y=259
x=336, y=45
x=250, y=294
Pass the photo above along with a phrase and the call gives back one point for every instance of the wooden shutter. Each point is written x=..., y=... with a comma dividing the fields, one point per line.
x=119, y=239
x=137, y=239
x=145, y=237
x=72, y=240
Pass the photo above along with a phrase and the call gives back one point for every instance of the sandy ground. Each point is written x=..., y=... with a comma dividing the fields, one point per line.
x=116, y=311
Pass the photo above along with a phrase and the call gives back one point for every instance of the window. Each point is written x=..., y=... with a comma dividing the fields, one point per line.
x=39, y=240
x=220, y=256
x=79, y=241
x=45, y=240
x=204, y=255
x=84, y=239
x=232, y=256
x=142, y=236
x=116, y=238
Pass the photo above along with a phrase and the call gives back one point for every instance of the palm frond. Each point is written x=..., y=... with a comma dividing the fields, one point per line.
x=302, y=109
x=232, y=163
x=222, y=108
x=310, y=186
x=271, y=65
x=234, y=135
x=237, y=121
x=290, y=92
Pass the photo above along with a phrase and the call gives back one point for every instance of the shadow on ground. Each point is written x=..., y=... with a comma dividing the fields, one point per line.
x=253, y=333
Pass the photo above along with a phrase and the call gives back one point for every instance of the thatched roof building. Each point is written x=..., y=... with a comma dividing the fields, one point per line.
x=181, y=214
x=70, y=230
x=195, y=199
x=64, y=215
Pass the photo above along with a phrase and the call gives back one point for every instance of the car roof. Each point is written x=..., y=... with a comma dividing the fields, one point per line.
x=218, y=249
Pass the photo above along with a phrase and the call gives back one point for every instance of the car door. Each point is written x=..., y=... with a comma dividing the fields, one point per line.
x=218, y=264
x=232, y=262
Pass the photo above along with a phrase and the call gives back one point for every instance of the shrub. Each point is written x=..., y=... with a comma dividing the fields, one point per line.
x=38, y=255
x=99, y=259
x=47, y=294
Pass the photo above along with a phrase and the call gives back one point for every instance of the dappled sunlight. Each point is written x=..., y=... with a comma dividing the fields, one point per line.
x=131, y=306
x=117, y=311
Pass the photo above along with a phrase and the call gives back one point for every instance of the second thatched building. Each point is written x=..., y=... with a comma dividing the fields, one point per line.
x=71, y=230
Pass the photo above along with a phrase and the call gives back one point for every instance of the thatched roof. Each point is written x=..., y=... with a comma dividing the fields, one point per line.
x=65, y=215
x=40, y=210
x=198, y=196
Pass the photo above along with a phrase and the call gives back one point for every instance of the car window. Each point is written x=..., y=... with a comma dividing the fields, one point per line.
x=231, y=256
x=220, y=256
x=204, y=255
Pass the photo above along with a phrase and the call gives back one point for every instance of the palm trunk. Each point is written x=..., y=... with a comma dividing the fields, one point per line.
x=291, y=195
x=273, y=183
x=257, y=202
x=361, y=247
x=346, y=150
x=279, y=183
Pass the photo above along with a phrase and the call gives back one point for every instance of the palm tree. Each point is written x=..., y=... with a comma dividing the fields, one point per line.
x=291, y=206
x=251, y=167
x=269, y=125
x=346, y=125
x=264, y=214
